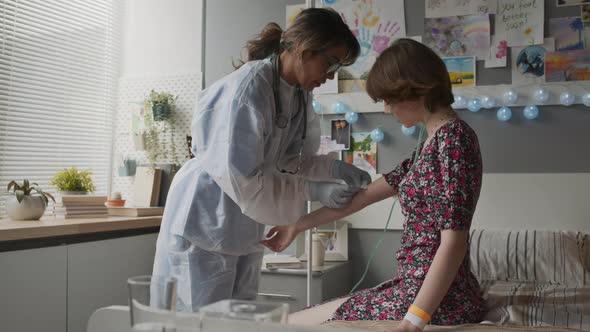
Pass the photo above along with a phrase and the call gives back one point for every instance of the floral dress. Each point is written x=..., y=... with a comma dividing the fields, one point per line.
x=439, y=192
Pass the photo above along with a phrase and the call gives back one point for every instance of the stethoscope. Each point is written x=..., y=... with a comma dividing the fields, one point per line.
x=282, y=120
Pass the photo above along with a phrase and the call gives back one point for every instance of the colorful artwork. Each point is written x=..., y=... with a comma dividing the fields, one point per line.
x=520, y=22
x=567, y=32
x=458, y=35
x=461, y=70
x=498, y=53
x=528, y=63
x=375, y=23
x=571, y=2
x=567, y=66
x=445, y=8
x=363, y=153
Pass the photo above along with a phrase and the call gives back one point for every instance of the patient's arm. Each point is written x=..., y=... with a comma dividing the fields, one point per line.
x=377, y=191
x=284, y=235
x=442, y=272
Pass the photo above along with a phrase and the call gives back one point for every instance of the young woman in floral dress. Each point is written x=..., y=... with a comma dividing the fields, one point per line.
x=438, y=188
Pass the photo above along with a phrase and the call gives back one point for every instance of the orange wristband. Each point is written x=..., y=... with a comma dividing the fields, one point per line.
x=420, y=313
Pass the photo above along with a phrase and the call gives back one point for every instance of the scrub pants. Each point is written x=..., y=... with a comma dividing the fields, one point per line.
x=205, y=276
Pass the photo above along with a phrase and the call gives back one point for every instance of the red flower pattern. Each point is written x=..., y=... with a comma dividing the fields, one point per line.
x=439, y=192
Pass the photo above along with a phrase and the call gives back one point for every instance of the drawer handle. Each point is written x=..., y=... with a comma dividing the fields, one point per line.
x=279, y=296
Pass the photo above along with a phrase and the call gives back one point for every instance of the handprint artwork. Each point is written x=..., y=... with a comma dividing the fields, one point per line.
x=374, y=29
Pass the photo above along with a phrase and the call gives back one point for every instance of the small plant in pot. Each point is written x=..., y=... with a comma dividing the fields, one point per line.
x=28, y=201
x=162, y=104
x=73, y=182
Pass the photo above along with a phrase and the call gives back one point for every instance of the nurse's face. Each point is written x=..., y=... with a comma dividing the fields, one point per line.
x=408, y=112
x=318, y=67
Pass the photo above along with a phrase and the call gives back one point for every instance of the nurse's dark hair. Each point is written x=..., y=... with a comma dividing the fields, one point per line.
x=408, y=70
x=314, y=29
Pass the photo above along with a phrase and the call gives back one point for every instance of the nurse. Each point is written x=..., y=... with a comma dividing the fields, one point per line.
x=254, y=138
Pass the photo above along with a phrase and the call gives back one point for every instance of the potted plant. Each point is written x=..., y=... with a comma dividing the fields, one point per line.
x=73, y=182
x=162, y=104
x=159, y=129
x=27, y=202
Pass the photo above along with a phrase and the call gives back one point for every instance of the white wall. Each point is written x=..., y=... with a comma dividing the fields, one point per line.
x=162, y=37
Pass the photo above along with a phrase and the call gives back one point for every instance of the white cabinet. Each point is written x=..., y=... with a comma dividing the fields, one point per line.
x=333, y=280
x=33, y=290
x=56, y=289
x=98, y=273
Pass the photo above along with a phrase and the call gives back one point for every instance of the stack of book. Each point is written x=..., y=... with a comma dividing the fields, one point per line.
x=136, y=211
x=81, y=206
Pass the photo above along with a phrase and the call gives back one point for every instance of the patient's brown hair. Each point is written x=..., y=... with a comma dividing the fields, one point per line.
x=408, y=70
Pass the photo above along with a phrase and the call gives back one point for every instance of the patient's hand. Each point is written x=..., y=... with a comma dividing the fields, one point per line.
x=283, y=236
x=405, y=326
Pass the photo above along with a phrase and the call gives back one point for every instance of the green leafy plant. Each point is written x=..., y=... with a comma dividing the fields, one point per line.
x=73, y=180
x=160, y=128
x=28, y=189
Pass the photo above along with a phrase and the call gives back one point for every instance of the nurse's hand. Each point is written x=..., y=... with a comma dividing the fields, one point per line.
x=282, y=236
x=332, y=195
x=352, y=175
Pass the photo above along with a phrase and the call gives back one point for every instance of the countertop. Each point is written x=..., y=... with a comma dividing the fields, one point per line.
x=49, y=226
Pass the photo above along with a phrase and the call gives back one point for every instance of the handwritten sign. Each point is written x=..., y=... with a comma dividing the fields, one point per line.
x=445, y=8
x=520, y=22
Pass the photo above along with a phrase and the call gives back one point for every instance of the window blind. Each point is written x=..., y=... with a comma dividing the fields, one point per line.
x=59, y=67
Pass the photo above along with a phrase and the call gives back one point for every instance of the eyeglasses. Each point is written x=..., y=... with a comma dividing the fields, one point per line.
x=333, y=64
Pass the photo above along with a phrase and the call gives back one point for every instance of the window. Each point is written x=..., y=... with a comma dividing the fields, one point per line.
x=59, y=67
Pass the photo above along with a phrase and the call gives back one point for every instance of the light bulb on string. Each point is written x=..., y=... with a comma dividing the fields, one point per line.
x=504, y=114
x=530, y=112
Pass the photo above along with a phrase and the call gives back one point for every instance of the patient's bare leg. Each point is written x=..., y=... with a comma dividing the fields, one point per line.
x=316, y=315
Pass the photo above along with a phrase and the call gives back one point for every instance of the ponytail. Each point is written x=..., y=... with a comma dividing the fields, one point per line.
x=265, y=44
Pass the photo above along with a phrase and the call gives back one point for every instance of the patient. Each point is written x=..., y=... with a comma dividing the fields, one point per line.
x=438, y=189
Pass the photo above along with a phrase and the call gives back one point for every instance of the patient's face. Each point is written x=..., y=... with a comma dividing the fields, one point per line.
x=408, y=112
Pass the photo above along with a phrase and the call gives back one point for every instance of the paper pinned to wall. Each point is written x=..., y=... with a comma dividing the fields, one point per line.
x=567, y=32
x=561, y=3
x=461, y=70
x=520, y=23
x=564, y=66
x=458, y=35
x=528, y=63
x=291, y=12
x=363, y=153
x=498, y=53
x=445, y=8
x=375, y=24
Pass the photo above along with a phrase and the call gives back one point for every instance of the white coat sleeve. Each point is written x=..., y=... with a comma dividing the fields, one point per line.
x=237, y=164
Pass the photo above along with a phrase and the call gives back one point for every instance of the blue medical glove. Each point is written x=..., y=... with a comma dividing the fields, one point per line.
x=352, y=175
x=330, y=194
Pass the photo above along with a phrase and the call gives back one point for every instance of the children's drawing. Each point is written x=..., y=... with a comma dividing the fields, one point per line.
x=458, y=35
x=528, y=63
x=461, y=70
x=363, y=152
x=567, y=32
x=375, y=23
